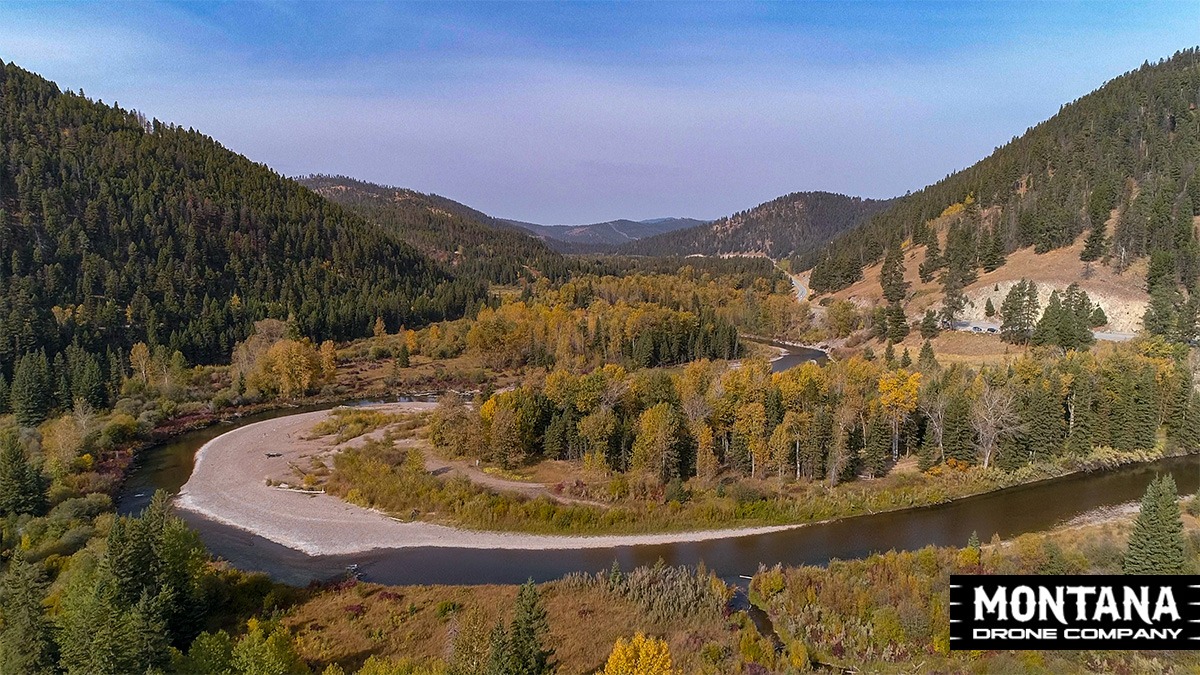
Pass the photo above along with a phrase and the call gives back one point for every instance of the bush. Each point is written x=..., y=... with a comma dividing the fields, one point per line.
x=121, y=428
x=223, y=399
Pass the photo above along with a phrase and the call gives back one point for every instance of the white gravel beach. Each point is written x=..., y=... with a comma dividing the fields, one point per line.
x=229, y=485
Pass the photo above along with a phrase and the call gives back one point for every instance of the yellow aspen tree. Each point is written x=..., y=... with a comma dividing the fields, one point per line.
x=654, y=445
x=141, y=362
x=706, y=452
x=898, y=390
x=328, y=360
x=640, y=655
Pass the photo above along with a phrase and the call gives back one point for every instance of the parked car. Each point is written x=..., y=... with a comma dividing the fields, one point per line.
x=976, y=329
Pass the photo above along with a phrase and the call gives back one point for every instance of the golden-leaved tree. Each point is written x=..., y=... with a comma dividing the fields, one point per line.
x=640, y=655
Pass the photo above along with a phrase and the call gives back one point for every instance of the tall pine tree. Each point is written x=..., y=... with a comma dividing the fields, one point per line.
x=1156, y=545
x=26, y=639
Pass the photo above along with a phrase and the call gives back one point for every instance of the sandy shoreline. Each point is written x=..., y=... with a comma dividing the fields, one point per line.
x=228, y=485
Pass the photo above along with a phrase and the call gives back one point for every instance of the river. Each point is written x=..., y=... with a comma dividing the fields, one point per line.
x=1006, y=513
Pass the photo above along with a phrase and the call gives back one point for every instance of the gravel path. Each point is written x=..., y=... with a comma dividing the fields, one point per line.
x=229, y=485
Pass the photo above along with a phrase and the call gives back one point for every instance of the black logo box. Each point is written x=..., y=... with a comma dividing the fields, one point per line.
x=976, y=621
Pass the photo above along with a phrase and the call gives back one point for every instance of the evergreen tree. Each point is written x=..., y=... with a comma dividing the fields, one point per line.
x=528, y=634
x=929, y=325
x=1019, y=312
x=958, y=439
x=402, y=356
x=878, y=453
x=879, y=322
x=1095, y=244
x=1162, y=315
x=1156, y=545
x=973, y=541
x=933, y=260
x=897, y=323
x=891, y=275
x=925, y=358
x=991, y=254
x=1051, y=325
x=26, y=639
x=499, y=652
x=4, y=405
x=953, y=300
x=31, y=393
x=905, y=359
x=22, y=490
x=989, y=310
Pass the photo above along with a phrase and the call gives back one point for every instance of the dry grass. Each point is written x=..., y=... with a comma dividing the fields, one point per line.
x=348, y=625
x=1122, y=295
x=961, y=347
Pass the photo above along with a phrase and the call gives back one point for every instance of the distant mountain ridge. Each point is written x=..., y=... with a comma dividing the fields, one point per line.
x=777, y=228
x=603, y=236
x=468, y=241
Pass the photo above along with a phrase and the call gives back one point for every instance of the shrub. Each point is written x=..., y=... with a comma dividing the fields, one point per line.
x=121, y=428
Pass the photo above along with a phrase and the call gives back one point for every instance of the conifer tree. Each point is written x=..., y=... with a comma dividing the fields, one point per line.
x=991, y=254
x=929, y=325
x=953, y=300
x=926, y=358
x=22, y=490
x=958, y=439
x=989, y=310
x=933, y=260
x=1095, y=244
x=905, y=358
x=1019, y=312
x=499, y=651
x=897, y=323
x=1050, y=326
x=1162, y=315
x=879, y=322
x=1081, y=403
x=879, y=447
x=26, y=639
x=528, y=634
x=30, y=394
x=4, y=406
x=1156, y=545
x=891, y=274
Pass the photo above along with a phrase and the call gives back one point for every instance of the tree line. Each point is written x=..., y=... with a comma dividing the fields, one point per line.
x=839, y=421
x=116, y=230
x=1118, y=163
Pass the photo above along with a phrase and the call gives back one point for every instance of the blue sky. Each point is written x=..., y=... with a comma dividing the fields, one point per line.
x=578, y=112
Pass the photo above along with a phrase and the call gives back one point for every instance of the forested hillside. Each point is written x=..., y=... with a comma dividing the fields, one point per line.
x=796, y=222
x=599, y=237
x=116, y=230
x=471, y=243
x=1119, y=164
